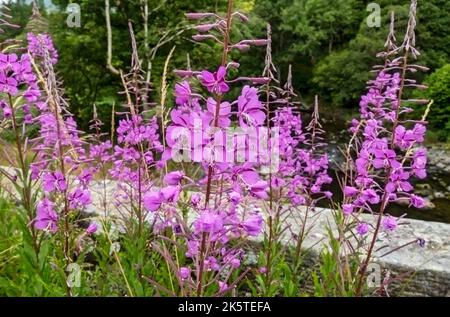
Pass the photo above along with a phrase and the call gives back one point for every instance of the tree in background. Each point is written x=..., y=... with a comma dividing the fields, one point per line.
x=330, y=47
x=439, y=91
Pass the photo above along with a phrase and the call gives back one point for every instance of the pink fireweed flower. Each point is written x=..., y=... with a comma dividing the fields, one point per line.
x=362, y=228
x=404, y=138
x=40, y=45
x=91, y=229
x=253, y=224
x=8, y=85
x=135, y=131
x=234, y=197
x=250, y=109
x=184, y=273
x=350, y=191
x=215, y=82
x=419, y=163
x=170, y=194
x=7, y=111
x=79, y=199
x=385, y=158
x=419, y=131
x=182, y=93
x=224, y=113
x=371, y=196
x=211, y=264
x=195, y=199
x=192, y=248
x=86, y=177
x=9, y=62
x=235, y=263
x=371, y=129
x=153, y=201
x=222, y=286
x=347, y=209
x=398, y=182
x=209, y=222
x=47, y=218
x=173, y=178
x=417, y=201
x=259, y=189
x=389, y=223
x=54, y=181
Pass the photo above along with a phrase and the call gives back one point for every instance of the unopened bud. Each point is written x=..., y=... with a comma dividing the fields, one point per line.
x=205, y=27
x=200, y=37
x=259, y=42
x=241, y=16
x=233, y=65
x=198, y=16
x=241, y=47
x=260, y=80
x=183, y=73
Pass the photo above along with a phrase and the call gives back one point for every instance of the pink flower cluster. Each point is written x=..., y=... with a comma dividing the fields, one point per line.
x=17, y=79
x=386, y=159
x=41, y=45
x=60, y=154
x=303, y=170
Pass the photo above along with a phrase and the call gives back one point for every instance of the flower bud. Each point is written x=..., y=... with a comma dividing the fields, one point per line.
x=91, y=229
x=201, y=37
x=205, y=27
x=242, y=17
x=258, y=42
x=233, y=65
x=260, y=80
x=241, y=47
x=198, y=16
x=183, y=73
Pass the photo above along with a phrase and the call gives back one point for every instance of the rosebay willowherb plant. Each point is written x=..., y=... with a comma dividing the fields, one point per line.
x=385, y=152
x=295, y=187
x=51, y=160
x=185, y=189
x=60, y=162
x=223, y=195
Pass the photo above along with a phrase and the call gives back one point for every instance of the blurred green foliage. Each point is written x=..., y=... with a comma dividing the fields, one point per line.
x=439, y=91
x=330, y=46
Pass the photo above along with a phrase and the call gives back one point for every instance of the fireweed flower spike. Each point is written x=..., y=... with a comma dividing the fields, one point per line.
x=21, y=103
x=220, y=216
x=383, y=143
x=215, y=82
x=60, y=152
x=47, y=218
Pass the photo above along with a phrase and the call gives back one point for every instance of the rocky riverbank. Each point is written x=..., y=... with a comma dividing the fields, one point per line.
x=439, y=157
